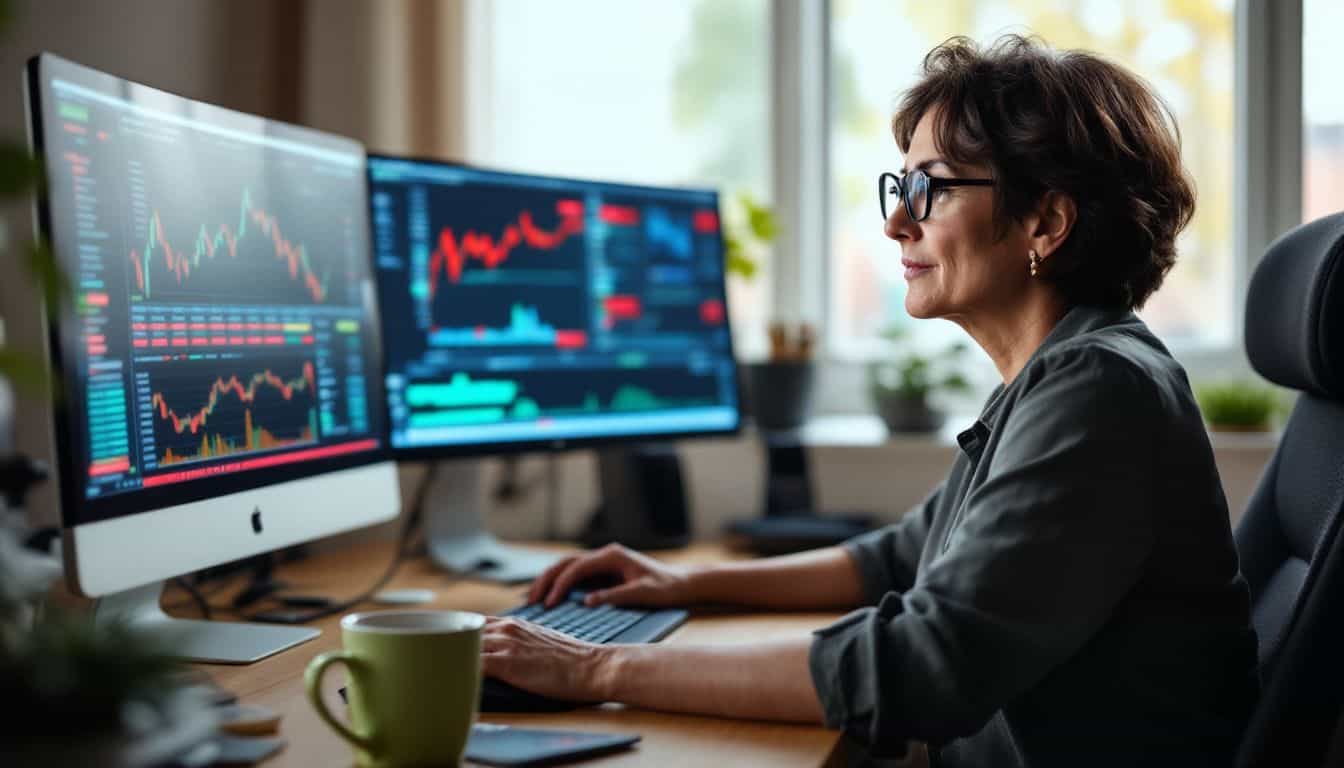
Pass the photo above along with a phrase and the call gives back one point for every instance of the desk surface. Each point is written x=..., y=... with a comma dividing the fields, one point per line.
x=668, y=739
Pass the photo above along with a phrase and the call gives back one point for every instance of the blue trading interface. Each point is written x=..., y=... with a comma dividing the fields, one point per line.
x=522, y=308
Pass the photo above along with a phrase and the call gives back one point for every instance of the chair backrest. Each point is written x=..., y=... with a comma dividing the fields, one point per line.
x=1289, y=540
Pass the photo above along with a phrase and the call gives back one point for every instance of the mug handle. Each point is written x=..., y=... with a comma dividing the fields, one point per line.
x=312, y=683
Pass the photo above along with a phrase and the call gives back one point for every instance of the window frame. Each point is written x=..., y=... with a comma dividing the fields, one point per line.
x=1267, y=61
x=1267, y=65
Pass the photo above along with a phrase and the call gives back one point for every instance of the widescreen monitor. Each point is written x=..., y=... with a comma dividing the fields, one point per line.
x=525, y=311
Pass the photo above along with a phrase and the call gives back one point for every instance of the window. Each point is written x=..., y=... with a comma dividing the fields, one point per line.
x=652, y=93
x=1184, y=48
x=1322, y=109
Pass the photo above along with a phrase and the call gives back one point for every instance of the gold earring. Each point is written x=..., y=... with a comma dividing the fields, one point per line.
x=1035, y=263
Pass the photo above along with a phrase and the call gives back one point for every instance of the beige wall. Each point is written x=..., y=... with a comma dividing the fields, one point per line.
x=725, y=481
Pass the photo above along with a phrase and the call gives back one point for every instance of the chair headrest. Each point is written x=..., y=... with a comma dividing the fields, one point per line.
x=1295, y=310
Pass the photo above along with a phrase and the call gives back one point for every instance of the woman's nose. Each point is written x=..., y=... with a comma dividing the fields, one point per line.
x=899, y=226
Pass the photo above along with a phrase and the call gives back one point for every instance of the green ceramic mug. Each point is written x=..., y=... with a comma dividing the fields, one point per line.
x=414, y=685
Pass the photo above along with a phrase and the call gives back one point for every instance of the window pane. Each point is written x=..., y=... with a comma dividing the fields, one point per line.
x=1183, y=48
x=1322, y=109
x=650, y=93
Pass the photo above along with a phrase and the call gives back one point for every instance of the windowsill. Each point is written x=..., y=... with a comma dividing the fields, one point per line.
x=866, y=430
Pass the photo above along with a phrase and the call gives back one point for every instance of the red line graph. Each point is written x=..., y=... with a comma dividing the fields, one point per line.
x=452, y=255
x=181, y=263
x=244, y=392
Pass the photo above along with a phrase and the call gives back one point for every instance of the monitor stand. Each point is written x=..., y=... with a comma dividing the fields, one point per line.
x=790, y=522
x=214, y=642
x=455, y=531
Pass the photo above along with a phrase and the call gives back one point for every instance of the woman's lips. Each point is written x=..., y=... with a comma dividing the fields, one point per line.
x=914, y=269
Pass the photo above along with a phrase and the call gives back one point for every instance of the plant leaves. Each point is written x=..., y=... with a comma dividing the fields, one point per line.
x=51, y=280
x=894, y=333
x=28, y=372
x=957, y=382
x=740, y=265
x=760, y=218
x=1237, y=403
x=19, y=171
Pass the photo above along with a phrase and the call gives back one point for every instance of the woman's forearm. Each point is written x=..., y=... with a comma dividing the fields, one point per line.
x=823, y=579
x=759, y=681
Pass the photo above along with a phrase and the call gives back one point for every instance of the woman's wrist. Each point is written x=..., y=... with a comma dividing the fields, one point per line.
x=701, y=584
x=610, y=670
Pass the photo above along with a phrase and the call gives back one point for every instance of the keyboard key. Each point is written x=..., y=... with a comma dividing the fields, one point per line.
x=595, y=625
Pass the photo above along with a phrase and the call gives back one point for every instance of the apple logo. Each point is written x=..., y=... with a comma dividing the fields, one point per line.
x=256, y=520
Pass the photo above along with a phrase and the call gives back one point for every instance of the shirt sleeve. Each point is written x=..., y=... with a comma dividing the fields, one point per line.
x=1046, y=547
x=888, y=558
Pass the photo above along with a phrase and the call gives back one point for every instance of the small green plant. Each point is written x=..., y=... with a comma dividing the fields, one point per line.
x=1238, y=405
x=74, y=678
x=20, y=174
x=912, y=376
x=748, y=227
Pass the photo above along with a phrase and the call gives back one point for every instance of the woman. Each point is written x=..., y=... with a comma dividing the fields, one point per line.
x=1069, y=595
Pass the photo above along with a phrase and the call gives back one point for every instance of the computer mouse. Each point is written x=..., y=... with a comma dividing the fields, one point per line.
x=486, y=564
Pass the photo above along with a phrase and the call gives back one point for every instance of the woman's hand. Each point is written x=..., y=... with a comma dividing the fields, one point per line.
x=644, y=581
x=544, y=661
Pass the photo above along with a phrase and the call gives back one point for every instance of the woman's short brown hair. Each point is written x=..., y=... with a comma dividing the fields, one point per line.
x=1073, y=123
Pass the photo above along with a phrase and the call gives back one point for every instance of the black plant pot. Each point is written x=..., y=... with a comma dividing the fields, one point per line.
x=903, y=414
x=779, y=394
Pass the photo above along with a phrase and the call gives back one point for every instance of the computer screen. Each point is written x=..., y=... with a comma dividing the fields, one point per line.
x=522, y=309
x=223, y=333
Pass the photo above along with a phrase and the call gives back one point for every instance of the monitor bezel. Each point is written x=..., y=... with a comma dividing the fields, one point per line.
x=76, y=509
x=510, y=447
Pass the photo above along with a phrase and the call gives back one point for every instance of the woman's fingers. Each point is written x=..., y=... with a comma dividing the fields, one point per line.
x=629, y=593
x=605, y=559
x=541, y=585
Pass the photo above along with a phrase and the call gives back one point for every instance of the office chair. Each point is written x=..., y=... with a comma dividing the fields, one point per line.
x=1289, y=538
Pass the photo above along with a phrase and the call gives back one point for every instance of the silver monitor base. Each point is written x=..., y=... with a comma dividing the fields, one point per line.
x=214, y=642
x=482, y=556
x=455, y=531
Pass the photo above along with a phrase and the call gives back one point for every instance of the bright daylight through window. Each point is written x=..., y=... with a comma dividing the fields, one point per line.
x=1322, y=109
x=672, y=93
x=1184, y=47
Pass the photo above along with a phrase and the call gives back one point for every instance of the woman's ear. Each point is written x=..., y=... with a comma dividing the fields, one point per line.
x=1052, y=223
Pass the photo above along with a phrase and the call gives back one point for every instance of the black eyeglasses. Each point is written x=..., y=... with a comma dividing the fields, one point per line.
x=916, y=188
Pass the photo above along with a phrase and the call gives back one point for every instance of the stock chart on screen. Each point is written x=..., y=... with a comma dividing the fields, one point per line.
x=526, y=308
x=221, y=281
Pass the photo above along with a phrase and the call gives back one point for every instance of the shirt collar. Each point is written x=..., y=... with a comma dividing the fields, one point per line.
x=1076, y=322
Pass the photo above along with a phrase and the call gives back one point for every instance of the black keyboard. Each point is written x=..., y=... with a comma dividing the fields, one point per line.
x=601, y=624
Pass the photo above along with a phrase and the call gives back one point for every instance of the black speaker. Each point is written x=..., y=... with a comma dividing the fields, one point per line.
x=643, y=499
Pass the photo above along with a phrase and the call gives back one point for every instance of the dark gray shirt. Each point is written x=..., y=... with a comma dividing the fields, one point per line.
x=1070, y=594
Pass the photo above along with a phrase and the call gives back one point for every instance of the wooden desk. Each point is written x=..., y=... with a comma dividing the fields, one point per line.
x=668, y=739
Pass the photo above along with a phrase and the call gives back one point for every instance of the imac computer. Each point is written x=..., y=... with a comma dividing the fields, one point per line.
x=525, y=312
x=218, y=365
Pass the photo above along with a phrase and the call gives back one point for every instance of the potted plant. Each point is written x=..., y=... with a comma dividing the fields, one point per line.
x=777, y=390
x=900, y=387
x=20, y=173
x=1237, y=406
